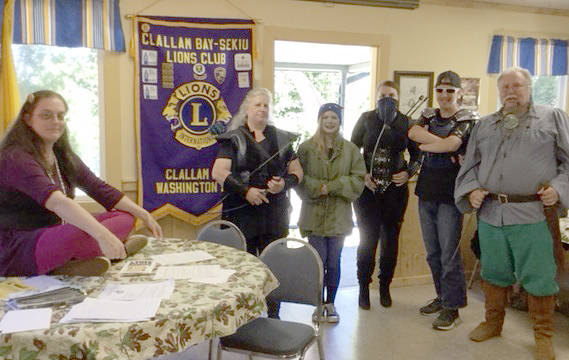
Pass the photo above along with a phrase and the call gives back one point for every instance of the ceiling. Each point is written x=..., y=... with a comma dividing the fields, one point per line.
x=549, y=4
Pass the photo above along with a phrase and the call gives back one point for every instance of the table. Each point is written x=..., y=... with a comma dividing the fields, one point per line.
x=193, y=314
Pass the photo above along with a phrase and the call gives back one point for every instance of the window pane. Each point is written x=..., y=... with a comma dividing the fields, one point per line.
x=72, y=72
x=549, y=90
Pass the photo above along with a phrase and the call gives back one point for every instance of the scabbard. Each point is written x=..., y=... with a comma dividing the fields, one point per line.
x=552, y=218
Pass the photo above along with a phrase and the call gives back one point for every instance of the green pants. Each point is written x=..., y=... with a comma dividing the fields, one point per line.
x=521, y=253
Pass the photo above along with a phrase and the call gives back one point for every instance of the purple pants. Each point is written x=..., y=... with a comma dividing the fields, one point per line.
x=61, y=243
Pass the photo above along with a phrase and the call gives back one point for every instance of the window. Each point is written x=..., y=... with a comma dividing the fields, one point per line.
x=550, y=90
x=74, y=73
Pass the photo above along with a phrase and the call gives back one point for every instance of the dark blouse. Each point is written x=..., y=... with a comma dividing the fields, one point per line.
x=24, y=189
x=270, y=219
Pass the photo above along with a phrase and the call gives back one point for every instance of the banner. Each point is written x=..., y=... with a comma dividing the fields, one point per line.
x=191, y=74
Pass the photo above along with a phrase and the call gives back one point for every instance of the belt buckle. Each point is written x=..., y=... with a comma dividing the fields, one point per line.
x=503, y=198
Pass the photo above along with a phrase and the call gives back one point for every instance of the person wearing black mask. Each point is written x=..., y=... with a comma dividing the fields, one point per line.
x=382, y=133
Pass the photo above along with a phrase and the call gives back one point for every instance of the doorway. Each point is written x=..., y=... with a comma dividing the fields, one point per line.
x=307, y=75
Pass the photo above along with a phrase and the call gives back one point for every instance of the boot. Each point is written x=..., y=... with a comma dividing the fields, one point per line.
x=495, y=305
x=364, y=296
x=384, y=296
x=541, y=310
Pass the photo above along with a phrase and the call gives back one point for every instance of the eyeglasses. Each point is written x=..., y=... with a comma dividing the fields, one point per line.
x=446, y=90
x=48, y=115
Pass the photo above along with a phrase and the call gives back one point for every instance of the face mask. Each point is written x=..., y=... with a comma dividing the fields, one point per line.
x=387, y=110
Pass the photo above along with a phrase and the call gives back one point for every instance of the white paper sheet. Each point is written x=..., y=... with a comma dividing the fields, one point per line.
x=42, y=282
x=182, y=257
x=25, y=320
x=208, y=274
x=147, y=290
x=104, y=310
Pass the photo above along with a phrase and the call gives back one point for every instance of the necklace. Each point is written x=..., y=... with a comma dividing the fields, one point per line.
x=60, y=178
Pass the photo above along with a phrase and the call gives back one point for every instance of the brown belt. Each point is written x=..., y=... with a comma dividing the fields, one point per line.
x=504, y=198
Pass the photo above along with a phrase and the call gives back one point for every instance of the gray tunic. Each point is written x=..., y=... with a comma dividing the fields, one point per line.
x=516, y=162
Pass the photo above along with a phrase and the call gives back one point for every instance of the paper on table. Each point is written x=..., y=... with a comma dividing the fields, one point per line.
x=147, y=290
x=208, y=274
x=42, y=282
x=104, y=310
x=182, y=257
x=24, y=320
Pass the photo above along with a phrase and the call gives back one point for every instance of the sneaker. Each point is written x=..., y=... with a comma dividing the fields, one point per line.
x=447, y=319
x=322, y=317
x=432, y=308
x=331, y=315
x=134, y=244
x=96, y=266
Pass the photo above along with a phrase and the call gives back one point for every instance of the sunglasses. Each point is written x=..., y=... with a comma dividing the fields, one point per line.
x=446, y=91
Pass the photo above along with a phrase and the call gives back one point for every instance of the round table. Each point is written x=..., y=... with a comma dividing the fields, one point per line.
x=194, y=313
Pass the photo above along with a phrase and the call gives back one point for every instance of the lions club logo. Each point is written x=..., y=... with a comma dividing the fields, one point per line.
x=191, y=111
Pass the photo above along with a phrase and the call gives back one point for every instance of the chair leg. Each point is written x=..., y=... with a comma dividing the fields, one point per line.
x=210, y=354
x=320, y=348
x=474, y=271
x=219, y=352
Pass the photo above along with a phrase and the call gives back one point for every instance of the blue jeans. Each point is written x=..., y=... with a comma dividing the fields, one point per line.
x=441, y=225
x=330, y=250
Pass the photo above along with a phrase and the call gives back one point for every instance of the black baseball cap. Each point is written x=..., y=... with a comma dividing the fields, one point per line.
x=448, y=78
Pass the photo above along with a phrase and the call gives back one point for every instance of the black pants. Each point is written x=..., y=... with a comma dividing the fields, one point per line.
x=379, y=220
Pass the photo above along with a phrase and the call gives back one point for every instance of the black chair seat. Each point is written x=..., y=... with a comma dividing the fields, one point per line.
x=271, y=336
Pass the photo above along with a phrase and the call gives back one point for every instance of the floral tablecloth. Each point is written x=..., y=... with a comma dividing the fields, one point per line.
x=194, y=313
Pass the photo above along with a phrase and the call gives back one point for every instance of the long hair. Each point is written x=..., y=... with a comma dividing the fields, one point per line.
x=22, y=136
x=241, y=117
x=318, y=137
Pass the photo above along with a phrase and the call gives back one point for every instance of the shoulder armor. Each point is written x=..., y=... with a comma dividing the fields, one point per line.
x=467, y=115
x=429, y=113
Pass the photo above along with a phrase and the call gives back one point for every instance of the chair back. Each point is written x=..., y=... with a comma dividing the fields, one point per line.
x=298, y=269
x=223, y=232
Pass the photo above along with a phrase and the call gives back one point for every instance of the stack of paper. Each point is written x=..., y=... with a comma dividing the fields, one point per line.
x=24, y=320
x=208, y=274
x=154, y=290
x=182, y=257
x=104, y=310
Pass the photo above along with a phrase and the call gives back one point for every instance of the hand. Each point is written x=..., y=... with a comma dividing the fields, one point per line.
x=548, y=196
x=111, y=246
x=457, y=159
x=400, y=178
x=275, y=185
x=256, y=196
x=323, y=190
x=476, y=197
x=152, y=225
x=370, y=184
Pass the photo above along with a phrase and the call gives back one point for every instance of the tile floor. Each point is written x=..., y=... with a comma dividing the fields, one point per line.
x=400, y=332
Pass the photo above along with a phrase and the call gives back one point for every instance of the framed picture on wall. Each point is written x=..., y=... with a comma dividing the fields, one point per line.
x=470, y=89
x=415, y=91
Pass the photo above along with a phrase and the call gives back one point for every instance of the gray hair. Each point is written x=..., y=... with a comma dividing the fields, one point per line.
x=524, y=72
x=241, y=117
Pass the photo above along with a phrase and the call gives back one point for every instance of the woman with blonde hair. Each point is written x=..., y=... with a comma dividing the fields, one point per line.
x=334, y=173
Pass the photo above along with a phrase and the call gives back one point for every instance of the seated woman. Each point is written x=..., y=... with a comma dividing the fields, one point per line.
x=42, y=229
x=334, y=173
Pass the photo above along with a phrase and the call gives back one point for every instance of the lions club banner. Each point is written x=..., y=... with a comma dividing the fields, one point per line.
x=191, y=76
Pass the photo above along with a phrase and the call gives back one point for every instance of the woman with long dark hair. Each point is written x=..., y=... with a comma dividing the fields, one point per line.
x=42, y=228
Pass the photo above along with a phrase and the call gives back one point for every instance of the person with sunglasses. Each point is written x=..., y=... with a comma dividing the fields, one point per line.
x=515, y=175
x=42, y=228
x=382, y=133
x=442, y=135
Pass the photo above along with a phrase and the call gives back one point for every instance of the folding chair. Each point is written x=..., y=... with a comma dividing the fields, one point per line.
x=300, y=274
x=223, y=232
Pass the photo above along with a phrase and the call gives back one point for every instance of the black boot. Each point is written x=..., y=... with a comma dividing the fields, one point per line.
x=364, y=296
x=384, y=296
